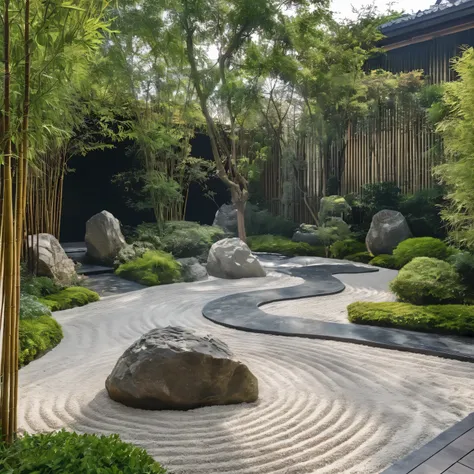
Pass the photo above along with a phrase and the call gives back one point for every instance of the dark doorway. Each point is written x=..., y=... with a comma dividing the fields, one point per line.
x=89, y=189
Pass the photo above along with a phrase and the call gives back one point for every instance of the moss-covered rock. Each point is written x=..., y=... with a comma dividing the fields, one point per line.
x=38, y=336
x=71, y=297
x=428, y=281
x=283, y=246
x=385, y=261
x=444, y=319
x=409, y=249
x=153, y=268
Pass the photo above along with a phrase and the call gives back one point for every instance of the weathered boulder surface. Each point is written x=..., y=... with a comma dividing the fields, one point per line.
x=192, y=270
x=226, y=218
x=52, y=259
x=232, y=259
x=387, y=230
x=104, y=239
x=177, y=369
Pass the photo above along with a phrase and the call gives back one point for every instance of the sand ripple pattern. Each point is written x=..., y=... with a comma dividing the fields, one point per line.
x=327, y=308
x=324, y=407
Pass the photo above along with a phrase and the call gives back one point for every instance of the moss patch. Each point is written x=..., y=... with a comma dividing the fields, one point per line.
x=385, y=261
x=361, y=257
x=38, y=336
x=153, y=268
x=443, y=319
x=409, y=249
x=284, y=246
x=71, y=297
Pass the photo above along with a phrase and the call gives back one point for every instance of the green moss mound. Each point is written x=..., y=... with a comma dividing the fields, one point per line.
x=428, y=281
x=385, y=261
x=343, y=248
x=71, y=453
x=37, y=336
x=71, y=297
x=443, y=319
x=284, y=246
x=361, y=257
x=153, y=268
x=421, y=247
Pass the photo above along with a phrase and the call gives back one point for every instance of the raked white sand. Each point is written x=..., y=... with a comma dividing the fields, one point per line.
x=324, y=407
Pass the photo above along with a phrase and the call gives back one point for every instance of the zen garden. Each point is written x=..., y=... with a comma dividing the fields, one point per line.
x=236, y=237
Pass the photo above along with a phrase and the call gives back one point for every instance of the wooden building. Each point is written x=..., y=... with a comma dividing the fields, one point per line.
x=405, y=148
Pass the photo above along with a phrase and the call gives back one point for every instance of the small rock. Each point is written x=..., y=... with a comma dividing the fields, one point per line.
x=387, y=230
x=192, y=270
x=226, y=218
x=52, y=259
x=177, y=369
x=104, y=239
x=231, y=259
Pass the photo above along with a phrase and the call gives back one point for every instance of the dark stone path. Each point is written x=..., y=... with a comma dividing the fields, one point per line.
x=241, y=311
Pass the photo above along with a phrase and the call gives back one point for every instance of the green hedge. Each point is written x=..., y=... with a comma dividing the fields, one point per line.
x=361, y=257
x=444, y=319
x=409, y=249
x=71, y=297
x=37, y=336
x=153, y=268
x=284, y=246
x=428, y=281
x=71, y=453
x=346, y=247
x=385, y=261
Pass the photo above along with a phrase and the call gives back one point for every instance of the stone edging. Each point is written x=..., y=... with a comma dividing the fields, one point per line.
x=241, y=311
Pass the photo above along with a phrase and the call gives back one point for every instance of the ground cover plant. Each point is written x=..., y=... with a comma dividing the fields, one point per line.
x=68, y=298
x=284, y=246
x=421, y=247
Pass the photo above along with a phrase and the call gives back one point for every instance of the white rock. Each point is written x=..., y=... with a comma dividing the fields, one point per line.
x=104, y=239
x=232, y=258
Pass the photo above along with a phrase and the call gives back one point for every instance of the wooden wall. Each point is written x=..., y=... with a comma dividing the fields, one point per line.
x=397, y=147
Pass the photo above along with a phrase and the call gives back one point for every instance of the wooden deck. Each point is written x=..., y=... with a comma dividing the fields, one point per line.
x=452, y=452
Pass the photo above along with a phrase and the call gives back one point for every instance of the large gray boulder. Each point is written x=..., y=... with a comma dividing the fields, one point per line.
x=52, y=259
x=232, y=258
x=177, y=369
x=192, y=270
x=387, y=230
x=226, y=218
x=104, y=239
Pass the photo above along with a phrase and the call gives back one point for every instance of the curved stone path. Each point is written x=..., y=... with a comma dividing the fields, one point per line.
x=242, y=311
x=325, y=406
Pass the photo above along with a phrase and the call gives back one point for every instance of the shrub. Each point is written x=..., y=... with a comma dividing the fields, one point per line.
x=361, y=257
x=333, y=206
x=153, y=268
x=132, y=252
x=261, y=222
x=379, y=196
x=150, y=233
x=385, y=261
x=445, y=319
x=283, y=246
x=72, y=453
x=71, y=297
x=463, y=262
x=428, y=281
x=189, y=239
x=39, y=286
x=421, y=247
x=36, y=337
x=31, y=307
x=346, y=247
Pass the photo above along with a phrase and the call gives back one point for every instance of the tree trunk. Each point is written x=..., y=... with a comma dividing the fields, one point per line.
x=240, y=204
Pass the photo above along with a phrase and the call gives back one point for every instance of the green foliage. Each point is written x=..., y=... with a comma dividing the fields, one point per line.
x=262, y=222
x=422, y=211
x=379, y=196
x=385, y=261
x=463, y=262
x=72, y=453
x=32, y=308
x=333, y=206
x=153, y=268
x=361, y=257
x=428, y=281
x=444, y=319
x=186, y=239
x=39, y=286
x=133, y=251
x=421, y=247
x=36, y=337
x=343, y=248
x=283, y=246
x=150, y=234
x=71, y=297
